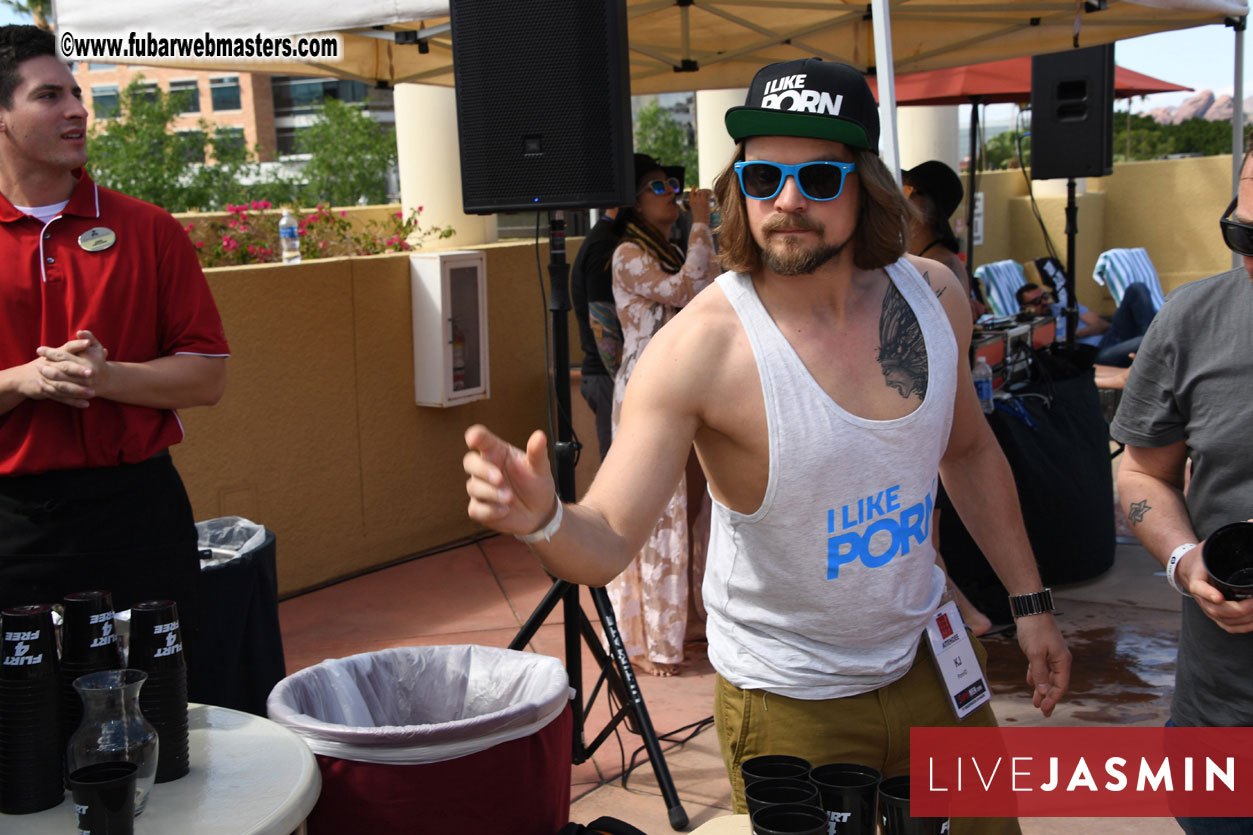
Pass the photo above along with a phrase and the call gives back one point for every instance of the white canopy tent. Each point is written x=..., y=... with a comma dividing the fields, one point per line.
x=674, y=46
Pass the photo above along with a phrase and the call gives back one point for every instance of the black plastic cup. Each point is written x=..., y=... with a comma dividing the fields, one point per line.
x=156, y=641
x=1228, y=557
x=764, y=793
x=104, y=798
x=88, y=636
x=849, y=794
x=774, y=767
x=789, y=819
x=30, y=712
x=894, y=811
x=30, y=646
x=156, y=647
x=88, y=645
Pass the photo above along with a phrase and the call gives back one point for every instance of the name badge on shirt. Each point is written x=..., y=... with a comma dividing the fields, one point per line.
x=97, y=238
x=955, y=656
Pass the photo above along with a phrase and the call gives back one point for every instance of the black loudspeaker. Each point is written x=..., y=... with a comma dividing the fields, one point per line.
x=1072, y=113
x=543, y=104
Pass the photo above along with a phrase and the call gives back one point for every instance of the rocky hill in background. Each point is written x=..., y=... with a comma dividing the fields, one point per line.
x=1204, y=105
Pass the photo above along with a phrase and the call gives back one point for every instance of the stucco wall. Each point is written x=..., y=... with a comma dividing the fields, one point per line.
x=1169, y=207
x=318, y=436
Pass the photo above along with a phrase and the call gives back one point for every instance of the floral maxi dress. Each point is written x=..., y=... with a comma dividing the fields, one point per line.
x=650, y=596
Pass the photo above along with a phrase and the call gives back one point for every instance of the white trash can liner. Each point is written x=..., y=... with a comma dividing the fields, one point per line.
x=411, y=705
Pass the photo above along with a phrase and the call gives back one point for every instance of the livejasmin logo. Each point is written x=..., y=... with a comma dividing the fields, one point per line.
x=1160, y=777
x=1082, y=772
x=789, y=93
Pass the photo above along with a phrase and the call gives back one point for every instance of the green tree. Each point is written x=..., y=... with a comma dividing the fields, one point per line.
x=659, y=134
x=1002, y=149
x=349, y=156
x=139, y=153
x=40, y=11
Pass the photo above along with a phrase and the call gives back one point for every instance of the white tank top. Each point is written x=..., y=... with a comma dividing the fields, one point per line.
x=824, y=591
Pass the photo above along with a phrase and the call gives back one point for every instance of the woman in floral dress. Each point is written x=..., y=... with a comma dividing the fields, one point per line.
x=652, y=279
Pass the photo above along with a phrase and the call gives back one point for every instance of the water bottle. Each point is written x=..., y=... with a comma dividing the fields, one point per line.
x=289, y=237
x=983, y=384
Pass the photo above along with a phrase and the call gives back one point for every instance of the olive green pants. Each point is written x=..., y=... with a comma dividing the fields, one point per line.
x=870, y=728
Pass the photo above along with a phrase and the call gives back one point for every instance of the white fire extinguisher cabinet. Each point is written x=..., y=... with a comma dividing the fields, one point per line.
x=449, y=297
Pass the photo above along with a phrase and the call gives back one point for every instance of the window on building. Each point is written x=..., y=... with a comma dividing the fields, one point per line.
x=295, y=96
x=224, y=93
x=147, y=91
x=187, y=93
x=104, y=102
x=228, y=139
x=287, y=140
x=93, y=65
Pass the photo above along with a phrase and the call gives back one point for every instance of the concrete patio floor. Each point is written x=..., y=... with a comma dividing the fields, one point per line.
x=1121, y=628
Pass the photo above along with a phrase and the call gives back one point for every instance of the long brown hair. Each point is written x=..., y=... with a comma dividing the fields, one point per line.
x=878, y=240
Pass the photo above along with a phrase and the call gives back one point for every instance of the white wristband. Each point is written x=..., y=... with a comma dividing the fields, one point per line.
x=1172, y=566
x=545, y=533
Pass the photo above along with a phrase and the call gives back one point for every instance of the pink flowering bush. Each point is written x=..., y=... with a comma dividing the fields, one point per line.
x=249, y=235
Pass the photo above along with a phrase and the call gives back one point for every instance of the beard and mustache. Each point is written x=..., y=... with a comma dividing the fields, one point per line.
x=789, y=256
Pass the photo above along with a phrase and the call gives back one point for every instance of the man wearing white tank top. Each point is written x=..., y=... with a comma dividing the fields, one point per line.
x=824, y=383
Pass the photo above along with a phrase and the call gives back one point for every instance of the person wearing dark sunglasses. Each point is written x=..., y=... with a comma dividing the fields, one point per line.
x=824, y=382
x=1184, y=401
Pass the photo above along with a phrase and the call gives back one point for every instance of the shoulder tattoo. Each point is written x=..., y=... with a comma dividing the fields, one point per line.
x=1138, y=510
x=902, y=353
x=927, y=278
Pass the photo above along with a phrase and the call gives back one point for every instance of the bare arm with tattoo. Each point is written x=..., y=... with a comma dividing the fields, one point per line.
x=1150, y=487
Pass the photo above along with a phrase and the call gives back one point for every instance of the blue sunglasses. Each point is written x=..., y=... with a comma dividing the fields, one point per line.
x=669, y=185
x=820, y=181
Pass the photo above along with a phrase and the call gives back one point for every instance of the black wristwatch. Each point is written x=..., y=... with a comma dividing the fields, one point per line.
x=1035, y=603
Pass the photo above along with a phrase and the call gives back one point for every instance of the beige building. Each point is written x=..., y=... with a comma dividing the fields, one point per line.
x=268, y=111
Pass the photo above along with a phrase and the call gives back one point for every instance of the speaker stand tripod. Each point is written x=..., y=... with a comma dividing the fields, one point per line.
x=1071, y=312
x=615, y=667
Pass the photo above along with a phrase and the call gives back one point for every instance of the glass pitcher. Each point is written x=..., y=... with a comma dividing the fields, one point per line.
x=113, y=728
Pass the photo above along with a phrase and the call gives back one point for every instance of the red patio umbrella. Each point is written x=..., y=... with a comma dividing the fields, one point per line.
x=997, y=82
x=1003, y=82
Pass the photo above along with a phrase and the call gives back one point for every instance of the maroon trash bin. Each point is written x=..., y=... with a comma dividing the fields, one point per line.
x=434, y=739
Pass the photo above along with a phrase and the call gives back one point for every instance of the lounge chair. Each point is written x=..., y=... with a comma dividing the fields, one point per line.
x=1118, y=268
x=1001, y=279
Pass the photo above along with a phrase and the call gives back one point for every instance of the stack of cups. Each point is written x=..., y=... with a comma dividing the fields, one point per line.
x=31, y=779
x=156, y=647
x=88, y=645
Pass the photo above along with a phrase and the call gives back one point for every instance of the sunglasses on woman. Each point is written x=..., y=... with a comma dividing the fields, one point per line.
x=1238, y=236
x=820, y=181
x=668, y=186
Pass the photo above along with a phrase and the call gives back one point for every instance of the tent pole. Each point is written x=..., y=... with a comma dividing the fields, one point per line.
x=1237, y=120
x=886, y=77
x=975, y=101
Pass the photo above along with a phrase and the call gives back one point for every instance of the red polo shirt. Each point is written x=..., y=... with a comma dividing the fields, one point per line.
x=143, y=297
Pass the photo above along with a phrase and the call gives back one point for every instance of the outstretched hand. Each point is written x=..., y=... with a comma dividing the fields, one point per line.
x=1048, y=660
x=511, y=490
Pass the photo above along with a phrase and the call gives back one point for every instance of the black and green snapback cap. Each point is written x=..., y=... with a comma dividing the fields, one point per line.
x=811, y=98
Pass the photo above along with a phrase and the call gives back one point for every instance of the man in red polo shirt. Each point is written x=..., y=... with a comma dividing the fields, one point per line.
x=109, y=327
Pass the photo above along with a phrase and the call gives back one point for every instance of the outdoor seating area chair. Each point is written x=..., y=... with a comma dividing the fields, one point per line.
x=1001, y=279
x=1116, y=269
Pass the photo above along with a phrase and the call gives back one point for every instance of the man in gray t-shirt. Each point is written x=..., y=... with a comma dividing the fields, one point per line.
x=1187, y=398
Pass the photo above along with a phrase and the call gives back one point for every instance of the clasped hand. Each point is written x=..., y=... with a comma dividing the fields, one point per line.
x=71, y=374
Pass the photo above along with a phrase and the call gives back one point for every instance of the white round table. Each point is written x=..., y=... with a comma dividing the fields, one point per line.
x=248, y=776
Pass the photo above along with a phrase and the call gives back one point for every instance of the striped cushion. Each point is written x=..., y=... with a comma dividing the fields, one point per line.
x=1000, y=280
x=1117, y=268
